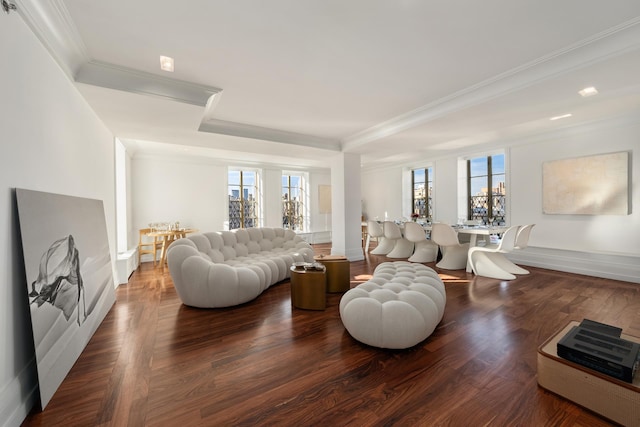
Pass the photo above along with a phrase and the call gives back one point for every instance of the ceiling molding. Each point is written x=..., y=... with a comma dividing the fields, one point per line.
x=604, y=45
x=215, y=159
x=268, y=134
x=126, y=79
x=51, y=23
x=626, y=119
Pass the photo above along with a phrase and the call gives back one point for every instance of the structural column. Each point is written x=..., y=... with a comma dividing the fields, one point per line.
x=346, y=211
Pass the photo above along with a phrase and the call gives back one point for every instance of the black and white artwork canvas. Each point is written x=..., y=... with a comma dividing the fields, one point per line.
x=70, y=281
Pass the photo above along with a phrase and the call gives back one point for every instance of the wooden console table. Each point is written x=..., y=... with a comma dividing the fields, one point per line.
x=167, y=237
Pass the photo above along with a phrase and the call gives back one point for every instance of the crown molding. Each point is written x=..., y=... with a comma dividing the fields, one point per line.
x=607, y=44
x=220, y=160
x=126, y=79
x=51, y=23
x=627, y=119
x=268, y=134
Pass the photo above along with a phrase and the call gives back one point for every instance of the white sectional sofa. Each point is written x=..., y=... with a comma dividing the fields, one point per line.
x=226, y=268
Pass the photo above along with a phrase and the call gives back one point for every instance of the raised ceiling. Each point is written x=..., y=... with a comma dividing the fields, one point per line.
x=294, y=82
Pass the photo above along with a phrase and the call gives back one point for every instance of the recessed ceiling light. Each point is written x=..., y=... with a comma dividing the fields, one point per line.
x=564, y=116
x=166, y=63
x=588, y=91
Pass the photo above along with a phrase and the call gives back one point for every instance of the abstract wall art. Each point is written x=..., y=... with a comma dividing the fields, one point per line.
x=324, y=199
x=69, y=273
x=592, y=185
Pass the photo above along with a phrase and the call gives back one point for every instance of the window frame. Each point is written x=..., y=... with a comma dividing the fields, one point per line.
x=495, y=205
x=244, y=221
x=427, y=212
x=300, y=218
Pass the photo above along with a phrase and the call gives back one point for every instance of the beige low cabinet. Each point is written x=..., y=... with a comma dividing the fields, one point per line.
x=338, y=272
x=614, y=399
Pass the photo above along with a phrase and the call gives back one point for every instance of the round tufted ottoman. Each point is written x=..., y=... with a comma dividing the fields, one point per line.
x=400, y=306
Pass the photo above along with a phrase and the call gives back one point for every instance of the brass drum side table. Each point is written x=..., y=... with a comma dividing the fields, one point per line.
x=338, y=272
x=308, y=288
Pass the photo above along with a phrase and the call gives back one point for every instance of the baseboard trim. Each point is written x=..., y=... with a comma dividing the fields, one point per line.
x=315, y=237
x=608, y=266
x=19, y=396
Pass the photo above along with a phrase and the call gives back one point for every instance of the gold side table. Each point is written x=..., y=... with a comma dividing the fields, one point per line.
x=308, y=288
x=338, y=272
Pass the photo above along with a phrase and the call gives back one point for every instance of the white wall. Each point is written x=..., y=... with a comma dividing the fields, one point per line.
x=167, y=189
x=51, y=141
x=445, y=190
x=132, y=231
x=609, y=234
x=194, y=192
x=272, y=197
x=382, y=193
x=320, y=222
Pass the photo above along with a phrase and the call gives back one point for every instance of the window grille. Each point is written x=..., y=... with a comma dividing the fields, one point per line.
x=486, y=189
x=293, y=202
x=243, y=199
x=422, y=193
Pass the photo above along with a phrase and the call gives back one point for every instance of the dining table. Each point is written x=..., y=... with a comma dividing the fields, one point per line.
x=167, y=237
x=479, y=230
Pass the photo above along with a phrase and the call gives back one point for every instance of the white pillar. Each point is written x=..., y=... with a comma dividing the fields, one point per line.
x=346, y=210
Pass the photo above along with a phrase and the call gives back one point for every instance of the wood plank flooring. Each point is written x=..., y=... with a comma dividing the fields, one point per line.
x=156, y=362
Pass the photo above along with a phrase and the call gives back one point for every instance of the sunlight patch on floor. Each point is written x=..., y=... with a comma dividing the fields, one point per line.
x=447, y=278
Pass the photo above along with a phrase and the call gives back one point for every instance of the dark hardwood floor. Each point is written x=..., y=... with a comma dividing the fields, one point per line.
x=156, y=362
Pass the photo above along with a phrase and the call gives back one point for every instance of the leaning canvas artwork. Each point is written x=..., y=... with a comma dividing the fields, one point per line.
x=69, y=273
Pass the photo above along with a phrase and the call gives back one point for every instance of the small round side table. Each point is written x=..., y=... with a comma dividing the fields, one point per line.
x=338, y=272
x=308, y=288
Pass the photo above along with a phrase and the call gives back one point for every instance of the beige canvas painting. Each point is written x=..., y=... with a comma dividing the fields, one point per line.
x=324, y=199
x=593, y=185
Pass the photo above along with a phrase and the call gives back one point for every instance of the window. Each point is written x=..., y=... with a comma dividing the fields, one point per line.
x=293, y=202
x=486, y=189
x=422, y=192
x=243, y=199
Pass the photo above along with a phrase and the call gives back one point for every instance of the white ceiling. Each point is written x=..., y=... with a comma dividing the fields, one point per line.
x=299, y=80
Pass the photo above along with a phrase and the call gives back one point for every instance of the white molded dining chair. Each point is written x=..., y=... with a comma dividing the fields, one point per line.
x=375, y=231
x=402, y=248
x=489, y=261
x=384, y=245
x=425, y=250
x=454, y=254
x=522, y=241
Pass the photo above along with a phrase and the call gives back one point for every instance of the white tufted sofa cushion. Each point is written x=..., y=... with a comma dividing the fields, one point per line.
x=225, y=268
x=399, y=307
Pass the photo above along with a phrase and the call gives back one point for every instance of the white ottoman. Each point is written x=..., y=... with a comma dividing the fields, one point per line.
x=399, y=307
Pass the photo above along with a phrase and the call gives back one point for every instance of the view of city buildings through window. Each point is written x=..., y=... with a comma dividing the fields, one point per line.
x=422, y=192
x=293, y=202
x=486, y=189
x=243, y=199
